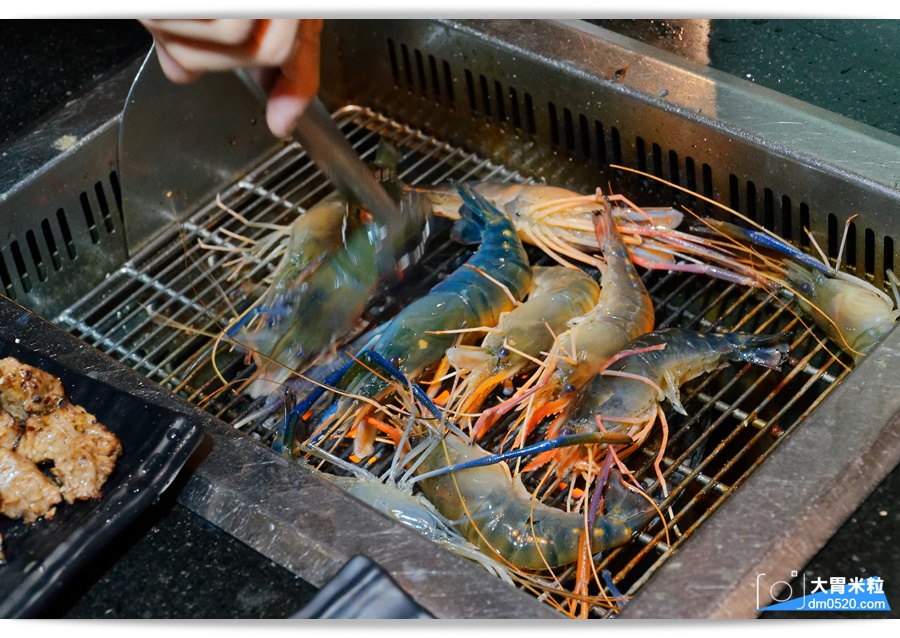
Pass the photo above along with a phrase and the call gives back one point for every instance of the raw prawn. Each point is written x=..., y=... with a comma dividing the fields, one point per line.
x=623, y=311
x=394, y=498
x=490, y=283
x=626, y=396
x=557, y=220
x=853, y=312
x=558, y=294
x=497, y=514
x=302, y=245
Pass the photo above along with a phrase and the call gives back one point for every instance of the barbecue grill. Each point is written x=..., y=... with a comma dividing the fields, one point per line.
x=762, y=471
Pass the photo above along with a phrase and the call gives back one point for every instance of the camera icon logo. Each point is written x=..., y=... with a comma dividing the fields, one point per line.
x=777, y=591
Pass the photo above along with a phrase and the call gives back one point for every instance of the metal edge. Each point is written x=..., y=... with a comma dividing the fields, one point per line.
x=312, y=528
x=791, y=505
x=780, y=122
x=28, y=157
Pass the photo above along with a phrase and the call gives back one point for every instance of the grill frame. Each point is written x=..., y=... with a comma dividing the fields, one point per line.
x=670, y=592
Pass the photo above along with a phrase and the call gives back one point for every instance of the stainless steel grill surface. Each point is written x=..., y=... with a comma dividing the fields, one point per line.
x=163, y=312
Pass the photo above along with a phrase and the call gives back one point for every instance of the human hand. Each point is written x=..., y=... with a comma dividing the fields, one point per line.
x=188, y=48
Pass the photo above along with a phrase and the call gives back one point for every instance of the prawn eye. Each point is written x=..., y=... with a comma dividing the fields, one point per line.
x=503, y=353
x=806, y=287
x=569, y=388
x=394, y=361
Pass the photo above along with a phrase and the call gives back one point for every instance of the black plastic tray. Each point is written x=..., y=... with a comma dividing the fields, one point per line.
x=156, y=438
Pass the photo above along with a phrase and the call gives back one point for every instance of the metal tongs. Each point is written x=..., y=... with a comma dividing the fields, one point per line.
x=401, y=227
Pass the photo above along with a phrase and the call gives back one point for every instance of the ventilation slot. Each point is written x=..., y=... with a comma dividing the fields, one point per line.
x=395, y=71
x=569, y=128
x=869, y=252
x=514, y=109
x=50, y=241
x=501, y=106
x=657, y=160
x=529, y=115
x=751, y=200
x=36, y=257
x=435, y=79
x=888, y=253
x=600, y=136
x=66, y=233
x=691, y=174
x=768, y=209
x=641, y=151
x=616, y=145
x=470, y=86
x=89, y=218
x=117, y=192
x=554, y=124
x=448, y=84
x=804, y=225
x=104, y=208
x=420, y=72
x=787, y=222
x=20, y=266
x=5, y=279
x=584, y=133
x=674, y=172
x=407, y=67
x=485, y=95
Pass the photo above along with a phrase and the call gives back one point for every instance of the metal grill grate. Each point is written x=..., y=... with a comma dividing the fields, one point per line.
x=161, y=313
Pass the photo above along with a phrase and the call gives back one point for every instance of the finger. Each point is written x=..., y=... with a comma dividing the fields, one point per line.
x=226, y=31
x=172, y=70
x=298, y=82
x=270, y=45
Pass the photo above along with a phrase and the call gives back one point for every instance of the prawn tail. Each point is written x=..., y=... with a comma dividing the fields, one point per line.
x=770, y=351
x=475, y=214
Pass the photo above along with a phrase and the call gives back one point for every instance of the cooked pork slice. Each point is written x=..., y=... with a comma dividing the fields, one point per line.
x=25, y=390
x=82, y=450
x=24, y=490
x=9, y=430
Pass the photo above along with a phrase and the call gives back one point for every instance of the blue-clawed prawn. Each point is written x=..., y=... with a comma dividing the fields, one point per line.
x=497, y=514
x=558, y=295
x=490, y=283
x=623, y=311
x=626, y=396
x=854, y=313
x=557, y=220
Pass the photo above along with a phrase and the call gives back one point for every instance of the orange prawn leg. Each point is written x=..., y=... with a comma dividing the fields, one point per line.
x=583, y=574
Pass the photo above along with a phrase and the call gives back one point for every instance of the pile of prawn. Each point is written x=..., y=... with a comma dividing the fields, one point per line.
x=569, y=374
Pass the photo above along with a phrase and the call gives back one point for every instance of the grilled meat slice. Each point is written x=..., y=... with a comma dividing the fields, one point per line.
x=25, y=390
x=9, y=431
x=24, y=490
x=82, y=450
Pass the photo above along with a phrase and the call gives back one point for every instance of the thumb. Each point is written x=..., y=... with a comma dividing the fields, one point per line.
x=297, y=82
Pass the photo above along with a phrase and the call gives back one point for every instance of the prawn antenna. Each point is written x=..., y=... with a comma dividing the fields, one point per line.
x=284, y=437
x=377, y=360
x=550, y=444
